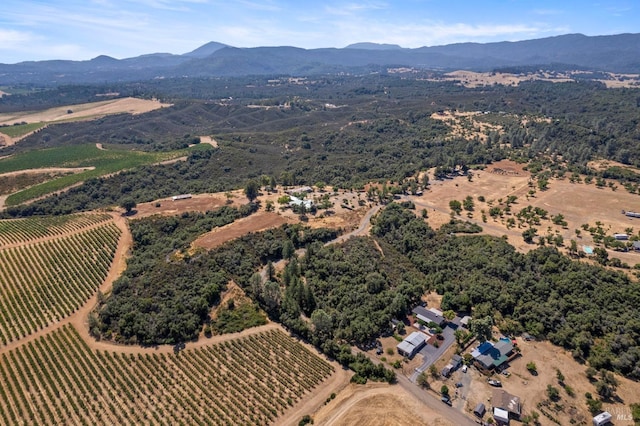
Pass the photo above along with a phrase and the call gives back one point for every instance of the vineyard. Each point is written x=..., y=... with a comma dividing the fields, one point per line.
x=24, y=230
x=44, y=281
x=58, y=379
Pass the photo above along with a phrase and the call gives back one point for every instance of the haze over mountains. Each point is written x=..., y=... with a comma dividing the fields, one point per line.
x=613, y=53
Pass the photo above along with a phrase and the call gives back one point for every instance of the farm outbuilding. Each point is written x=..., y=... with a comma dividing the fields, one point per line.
x=181, y=197
x=480, y=410
x=501, y=416
x=412, y=344
x=507, y=402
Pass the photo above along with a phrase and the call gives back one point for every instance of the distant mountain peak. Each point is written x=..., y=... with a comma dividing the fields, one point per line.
x=373, y=46
x=103, y=59
x=206, y=50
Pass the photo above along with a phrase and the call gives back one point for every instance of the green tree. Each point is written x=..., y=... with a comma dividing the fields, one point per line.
x=455, y=206
x=528, y=235
x=252, y=190
x=288, y=250
x=481, y=327
x=553, y=393
x=444, y=390
x=468, y=203
x=422, y=380
x=322, y=324
x=128, y=204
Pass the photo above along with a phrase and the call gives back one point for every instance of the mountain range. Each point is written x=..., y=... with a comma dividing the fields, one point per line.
x=612, y=53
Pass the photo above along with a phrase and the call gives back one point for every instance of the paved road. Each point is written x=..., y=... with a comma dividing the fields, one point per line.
x=431, y=354
x=429, y=399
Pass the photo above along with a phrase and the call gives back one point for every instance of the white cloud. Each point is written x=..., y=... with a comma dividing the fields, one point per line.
x=548, y=12
x=8, y=38
x=349, y=9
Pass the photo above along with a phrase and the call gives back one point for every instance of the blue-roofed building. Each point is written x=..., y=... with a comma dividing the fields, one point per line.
x=488, y=356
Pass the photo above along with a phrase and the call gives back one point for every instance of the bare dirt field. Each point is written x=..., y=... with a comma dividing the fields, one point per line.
x=209, y=140
x=376, y=404
x=84, y=111
x=259, y=221
x=200, y=203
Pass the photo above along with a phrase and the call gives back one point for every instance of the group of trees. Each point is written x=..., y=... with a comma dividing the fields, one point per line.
x=584, y=308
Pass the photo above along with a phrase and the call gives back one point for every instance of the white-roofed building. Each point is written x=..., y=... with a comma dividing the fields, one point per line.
x=412, y=344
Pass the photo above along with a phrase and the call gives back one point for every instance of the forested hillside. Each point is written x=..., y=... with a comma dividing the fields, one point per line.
x=588, y=309
x=344, y=131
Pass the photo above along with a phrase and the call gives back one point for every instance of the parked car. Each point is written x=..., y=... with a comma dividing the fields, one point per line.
x=459, y=384
x=496, y=383
x=506, y=373
x=379, y=351
x=464, y=368
x=446, y=400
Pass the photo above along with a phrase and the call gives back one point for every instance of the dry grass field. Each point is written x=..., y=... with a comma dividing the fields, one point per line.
x=83, y=111
x=376, y=404
x=478, y=79
x=78, y=112
x=579, y=203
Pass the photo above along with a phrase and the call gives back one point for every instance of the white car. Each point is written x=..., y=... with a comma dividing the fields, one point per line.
x=464, y=368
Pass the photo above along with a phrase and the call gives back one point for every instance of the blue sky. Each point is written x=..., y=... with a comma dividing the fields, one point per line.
x=83, y=29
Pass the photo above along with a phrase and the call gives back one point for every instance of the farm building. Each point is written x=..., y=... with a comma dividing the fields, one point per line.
x=505, y=401
x=465, y=321
x=621, y=237
x=480, y=410
x=412, y=344
x=454, y=364
x=488, y=356
x=428, y=315
x=501, y=416
x=636, y=245
x=632, y=214
x=602, y=419
x=181, y=197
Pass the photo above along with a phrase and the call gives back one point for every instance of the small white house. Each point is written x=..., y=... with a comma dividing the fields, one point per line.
x=602, y=419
